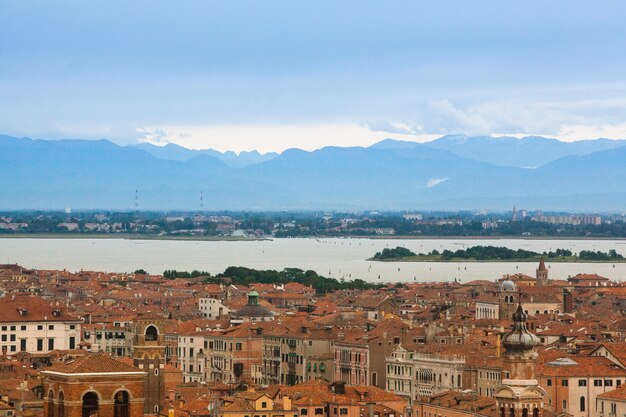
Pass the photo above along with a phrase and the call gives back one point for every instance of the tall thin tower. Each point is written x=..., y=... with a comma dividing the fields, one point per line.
x=201, y=201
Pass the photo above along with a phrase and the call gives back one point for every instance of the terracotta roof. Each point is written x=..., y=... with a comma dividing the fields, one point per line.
x=616, y=394
x=22, y=308
x=92, y=363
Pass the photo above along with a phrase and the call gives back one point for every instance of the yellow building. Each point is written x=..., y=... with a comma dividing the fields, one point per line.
x=255, y=404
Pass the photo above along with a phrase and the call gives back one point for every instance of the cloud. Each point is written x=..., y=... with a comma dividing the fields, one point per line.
x=566, y=120
x=435, y=181
x=153, y=136
x=393, y=127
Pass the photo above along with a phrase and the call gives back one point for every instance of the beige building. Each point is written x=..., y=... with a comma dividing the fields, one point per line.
x=414, y=375
x=612, y=403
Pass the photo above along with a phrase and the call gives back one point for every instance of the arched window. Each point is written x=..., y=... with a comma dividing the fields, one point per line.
x=564, y=405
x=511, y=412
x=502, y=412
x=61, y=405
x=374, y=378
x=582, y=403
x=535, y=412
x=121, y=405
x=51, y=402
x=151, y=334
x=458, y=381
x=506, y=298
x=525, y=412
x=90, y=404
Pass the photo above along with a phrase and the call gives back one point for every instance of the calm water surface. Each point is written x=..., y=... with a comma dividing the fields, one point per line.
x=337, y=258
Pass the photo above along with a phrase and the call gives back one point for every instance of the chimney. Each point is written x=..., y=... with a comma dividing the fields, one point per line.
x=286, y=403
x=498, y=346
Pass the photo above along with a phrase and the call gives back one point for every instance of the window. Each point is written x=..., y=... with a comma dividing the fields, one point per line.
x=4, y=337
x=319, y=411
x=237, y=346
x=39, y=345
x=72, y=326
x=51, y=327
x=4, y=328
x=13, y=348
x=597, y=382
x=121, y=404
x=50, y=344
x=22, y=327
x=549, y=382
x=608, y=382
x=13, y=338
x=90, y=404
x=582, y=382
x=12, y=328
x=72, y=342
x=40, y=327
x=582, y=403
x=22, y=345
x=564, y=405
x=564, y=382
x=343, y=411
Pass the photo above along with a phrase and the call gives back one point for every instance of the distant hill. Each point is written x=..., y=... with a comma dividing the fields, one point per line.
x=81, y=174
x=175, y=152
x=531, y=151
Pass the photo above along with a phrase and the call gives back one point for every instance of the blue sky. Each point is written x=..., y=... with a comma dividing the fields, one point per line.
x=276, y=74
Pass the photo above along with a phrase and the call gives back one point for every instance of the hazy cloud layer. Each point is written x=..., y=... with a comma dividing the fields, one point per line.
x=110, y=69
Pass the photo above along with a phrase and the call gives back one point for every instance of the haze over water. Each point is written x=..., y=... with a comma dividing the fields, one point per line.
x=337, y=258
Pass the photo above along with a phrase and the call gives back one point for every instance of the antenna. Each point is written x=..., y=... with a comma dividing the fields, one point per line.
x=136, y=200
x=201, y=201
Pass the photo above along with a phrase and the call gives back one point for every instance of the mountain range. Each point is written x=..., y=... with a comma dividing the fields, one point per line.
x=450, y=173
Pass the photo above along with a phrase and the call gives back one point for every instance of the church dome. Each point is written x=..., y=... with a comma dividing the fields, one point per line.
x=519, y=339
x=508, y=285
x=253, y=309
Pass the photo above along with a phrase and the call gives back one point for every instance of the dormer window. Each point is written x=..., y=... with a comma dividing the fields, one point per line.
x=22, y=311
x=56, y=312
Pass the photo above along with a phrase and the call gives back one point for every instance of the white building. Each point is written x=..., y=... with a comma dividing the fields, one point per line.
x=414, y=374
x=31, y=324
x=212, y=308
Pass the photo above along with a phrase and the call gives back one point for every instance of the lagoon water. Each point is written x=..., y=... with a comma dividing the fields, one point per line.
x=337, y=258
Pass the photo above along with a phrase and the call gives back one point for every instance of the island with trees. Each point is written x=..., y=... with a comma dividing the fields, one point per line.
x=239, y=275
x=495, y=254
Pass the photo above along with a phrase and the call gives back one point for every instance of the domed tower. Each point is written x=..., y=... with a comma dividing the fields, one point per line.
x=252, y=312
x=520, y=394
x=149, y=356
x=542, y=273
x=507, y=298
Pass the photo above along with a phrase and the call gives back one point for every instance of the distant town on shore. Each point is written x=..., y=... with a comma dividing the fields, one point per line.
x=380, y=224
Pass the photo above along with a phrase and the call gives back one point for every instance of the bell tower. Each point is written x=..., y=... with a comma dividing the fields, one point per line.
x=149, y=356
x=520, y=394
x=507, y=298
x=542, y=273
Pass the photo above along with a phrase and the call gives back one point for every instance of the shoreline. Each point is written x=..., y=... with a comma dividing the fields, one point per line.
x=47, y=236
x=247, y=239
x=520, y=261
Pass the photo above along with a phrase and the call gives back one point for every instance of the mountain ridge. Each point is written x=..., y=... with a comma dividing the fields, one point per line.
x=85, y=174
